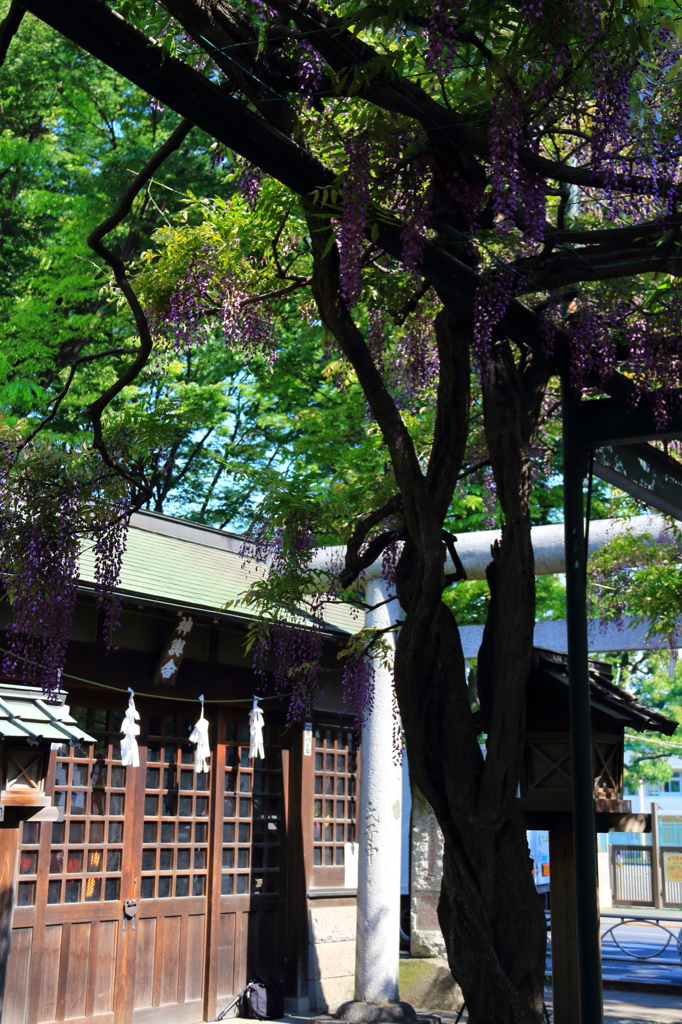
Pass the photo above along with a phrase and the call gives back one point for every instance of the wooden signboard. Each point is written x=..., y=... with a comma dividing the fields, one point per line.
x=672, y=867
x=174, y=651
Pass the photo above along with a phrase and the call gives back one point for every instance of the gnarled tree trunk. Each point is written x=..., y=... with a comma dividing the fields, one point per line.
x=490, y=913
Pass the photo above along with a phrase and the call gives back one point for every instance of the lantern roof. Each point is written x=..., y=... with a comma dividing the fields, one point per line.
x=552, y=667
x=26, y=714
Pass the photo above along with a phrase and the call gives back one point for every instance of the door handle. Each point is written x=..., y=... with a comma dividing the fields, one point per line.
x=130, y=908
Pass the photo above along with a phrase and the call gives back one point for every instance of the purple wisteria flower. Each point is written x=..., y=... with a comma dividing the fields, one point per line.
x=351, y=231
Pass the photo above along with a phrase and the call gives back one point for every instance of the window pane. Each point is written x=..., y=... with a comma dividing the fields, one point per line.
x=72, y=892
x=115, y=803
x=164, y=887
x=99, y=802
x=114, y=860
x=182, y=885
x=148, y=860
x=199, y=885
x=185, y=810
x=243, y=859
x=118, y=777
x=54, y=892
x=201, y=810
x=79, y=775
x=62, y=774
x=152, y=778
x=26, y=894
x=183, y=859
x=184, y=832
x=96, y=831
x=201, y=832
x=77, y=802
x=115, y=831
x=242, y=884
x=28, y=862
x=166, y=860
x=93, y=887
x=228, y=858
x=228, y=807
x=30, y=834
x=150, y=832
x=226, y=885
x=147, y=888
x=56, y=861
x=151, y=805
x=244, y=832
x=95, y=860
x=111, y=888
x=228, y=832
x=74, y=863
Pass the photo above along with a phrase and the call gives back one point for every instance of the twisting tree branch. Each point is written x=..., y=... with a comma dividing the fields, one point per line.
x=9, y=27
x=117, y=266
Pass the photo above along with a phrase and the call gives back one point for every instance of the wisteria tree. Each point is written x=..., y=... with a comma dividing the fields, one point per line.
x=472, y=200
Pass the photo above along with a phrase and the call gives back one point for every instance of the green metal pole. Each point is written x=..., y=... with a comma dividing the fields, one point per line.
x=584, y=837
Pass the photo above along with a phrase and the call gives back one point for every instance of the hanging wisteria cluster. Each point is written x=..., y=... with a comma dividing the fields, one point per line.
x=52, y=503
x=351, y=231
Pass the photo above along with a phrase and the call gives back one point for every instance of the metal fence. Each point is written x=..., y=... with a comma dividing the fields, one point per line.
x=671, y=876
x=631, y=875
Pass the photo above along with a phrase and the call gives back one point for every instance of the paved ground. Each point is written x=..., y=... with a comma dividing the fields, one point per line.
x=619, y=1008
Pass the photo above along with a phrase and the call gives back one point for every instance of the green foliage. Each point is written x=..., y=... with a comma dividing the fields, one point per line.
x=640, y=576
x=656, y=680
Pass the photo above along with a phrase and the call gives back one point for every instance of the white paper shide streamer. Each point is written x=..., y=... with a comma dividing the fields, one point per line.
x=130, y=730
x=256, y=723
x=199, y=735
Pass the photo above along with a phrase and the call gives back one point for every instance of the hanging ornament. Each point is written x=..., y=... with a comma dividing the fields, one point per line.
x=256, y=722
x=199, y=735
x=130, y=753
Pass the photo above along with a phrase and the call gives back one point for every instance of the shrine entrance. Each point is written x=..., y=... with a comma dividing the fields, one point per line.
x=159, y=892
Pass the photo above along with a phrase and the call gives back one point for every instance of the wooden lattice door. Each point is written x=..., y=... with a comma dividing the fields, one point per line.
x=175, y=842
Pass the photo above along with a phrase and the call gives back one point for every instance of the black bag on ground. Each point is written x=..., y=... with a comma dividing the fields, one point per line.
x=262, y=1000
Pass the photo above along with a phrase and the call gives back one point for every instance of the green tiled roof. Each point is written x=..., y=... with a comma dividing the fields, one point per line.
x=25, y=715
x=194, y=568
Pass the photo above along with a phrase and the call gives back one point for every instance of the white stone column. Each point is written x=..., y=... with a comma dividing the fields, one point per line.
x=379, y=828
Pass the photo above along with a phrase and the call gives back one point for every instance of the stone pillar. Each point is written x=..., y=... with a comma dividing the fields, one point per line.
x=379, y=828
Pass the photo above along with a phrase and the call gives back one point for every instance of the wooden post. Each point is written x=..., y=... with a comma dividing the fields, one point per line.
x=298, y=823
x=9, y=840
x=582, y=764
x=566, y=1006
x=655, y=858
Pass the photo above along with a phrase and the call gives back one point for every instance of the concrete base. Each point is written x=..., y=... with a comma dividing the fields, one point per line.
x=376, y=1013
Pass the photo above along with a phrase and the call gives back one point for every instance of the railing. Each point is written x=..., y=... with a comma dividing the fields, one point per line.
x=667, y=951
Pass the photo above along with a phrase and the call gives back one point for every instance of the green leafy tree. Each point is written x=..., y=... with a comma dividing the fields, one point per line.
x=495, y=186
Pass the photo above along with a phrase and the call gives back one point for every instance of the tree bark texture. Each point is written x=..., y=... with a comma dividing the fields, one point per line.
x=491, y=916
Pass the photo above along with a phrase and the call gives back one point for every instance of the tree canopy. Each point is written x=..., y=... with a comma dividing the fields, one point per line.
x=421, y=218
